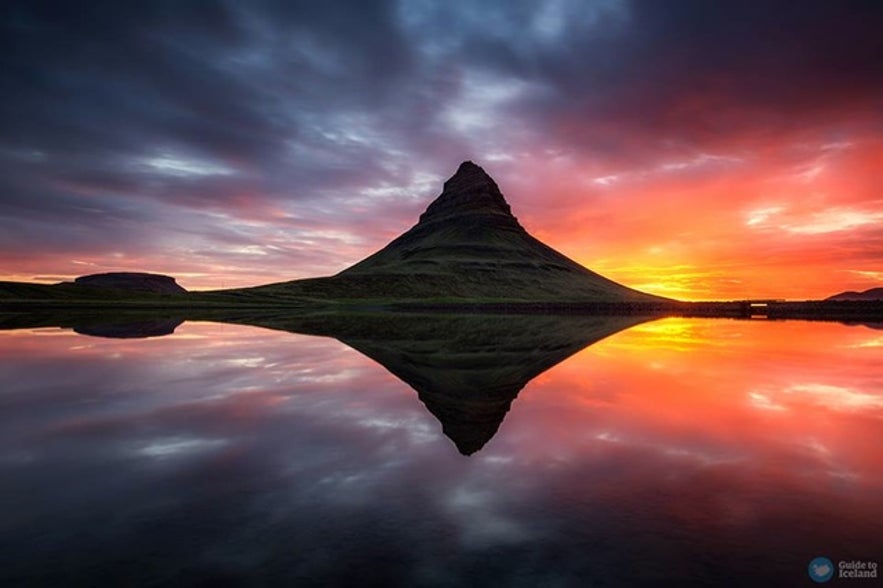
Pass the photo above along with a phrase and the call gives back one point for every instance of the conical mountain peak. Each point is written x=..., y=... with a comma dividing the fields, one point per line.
x=469, y=176
x=469, y=191
x=468, y=246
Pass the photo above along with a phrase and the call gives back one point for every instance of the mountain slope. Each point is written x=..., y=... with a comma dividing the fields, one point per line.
x=467, y=245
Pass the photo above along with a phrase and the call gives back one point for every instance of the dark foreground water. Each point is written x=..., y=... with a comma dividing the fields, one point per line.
x=676, y=452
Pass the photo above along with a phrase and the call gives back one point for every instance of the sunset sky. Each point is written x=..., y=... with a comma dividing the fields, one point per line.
x=692, y=149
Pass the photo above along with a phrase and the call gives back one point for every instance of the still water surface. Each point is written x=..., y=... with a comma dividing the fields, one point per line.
x=678, y=450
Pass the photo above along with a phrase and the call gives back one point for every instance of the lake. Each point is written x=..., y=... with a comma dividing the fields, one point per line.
x=441, y=451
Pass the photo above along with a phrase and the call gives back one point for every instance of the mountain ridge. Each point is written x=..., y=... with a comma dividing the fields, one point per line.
x=136, y=281
x=870, y=294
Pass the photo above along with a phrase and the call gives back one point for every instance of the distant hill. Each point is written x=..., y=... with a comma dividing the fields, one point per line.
x=872, y=294
x=466, y=246
x=137, y=281
x=111, y=287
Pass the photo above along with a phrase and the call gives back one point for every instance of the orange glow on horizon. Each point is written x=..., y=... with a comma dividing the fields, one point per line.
x=795, y=221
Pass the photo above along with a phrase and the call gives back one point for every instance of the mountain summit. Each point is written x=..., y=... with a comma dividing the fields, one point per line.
x=469, y=191
x=467, y=245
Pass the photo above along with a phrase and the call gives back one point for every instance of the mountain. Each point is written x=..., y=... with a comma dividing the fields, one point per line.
x=872, y=294
x=467, y=246
x=137, y=281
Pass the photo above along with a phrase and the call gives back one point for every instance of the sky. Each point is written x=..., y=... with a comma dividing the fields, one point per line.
x=698, y=150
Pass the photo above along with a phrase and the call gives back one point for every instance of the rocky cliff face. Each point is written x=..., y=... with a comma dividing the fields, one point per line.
x=140, y=282
x=469, y=191
x=467, y=244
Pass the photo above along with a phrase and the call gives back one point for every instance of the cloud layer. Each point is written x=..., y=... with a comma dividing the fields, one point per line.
x=693, y=149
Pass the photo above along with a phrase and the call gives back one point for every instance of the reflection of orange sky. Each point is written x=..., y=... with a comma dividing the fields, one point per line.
x=796, y=400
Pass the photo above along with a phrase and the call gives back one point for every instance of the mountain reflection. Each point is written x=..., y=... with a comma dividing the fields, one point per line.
x=466, y=369
x=130, y=330
x=225, y=454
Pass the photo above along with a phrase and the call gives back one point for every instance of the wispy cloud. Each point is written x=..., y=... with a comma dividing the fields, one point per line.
x=833, y=220
x=837, y=397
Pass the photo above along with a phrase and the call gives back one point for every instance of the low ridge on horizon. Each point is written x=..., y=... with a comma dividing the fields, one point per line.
x=852, y=295
x=467, y=246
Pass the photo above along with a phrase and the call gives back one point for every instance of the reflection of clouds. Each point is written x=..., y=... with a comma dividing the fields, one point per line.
x=702, y=456
x=828, y=462
x=838, y=397
x=247, y=362
x=418, y=430
x=817, y=447
x=609, y=437
x=762, y=401
x=481, y=524
x=316, y=460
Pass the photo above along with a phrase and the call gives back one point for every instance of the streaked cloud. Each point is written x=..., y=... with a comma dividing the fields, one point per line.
x=835, y=219
x=174, y=165
x=759, y=216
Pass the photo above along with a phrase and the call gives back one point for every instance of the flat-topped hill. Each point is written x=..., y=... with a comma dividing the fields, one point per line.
x=136, y=281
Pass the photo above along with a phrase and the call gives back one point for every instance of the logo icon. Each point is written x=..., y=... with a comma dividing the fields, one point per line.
x=821, y=569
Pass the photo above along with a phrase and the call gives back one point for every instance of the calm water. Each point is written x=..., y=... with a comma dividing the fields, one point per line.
x=715, y=451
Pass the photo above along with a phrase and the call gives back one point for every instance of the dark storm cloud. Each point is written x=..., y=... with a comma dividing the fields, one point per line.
x=693, y=71
x=697, y=71
x=200, y=105
x=231, y=84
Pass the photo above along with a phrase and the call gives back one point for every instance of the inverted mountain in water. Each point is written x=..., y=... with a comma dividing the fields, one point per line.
x=466, y=369
x=467, y=245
